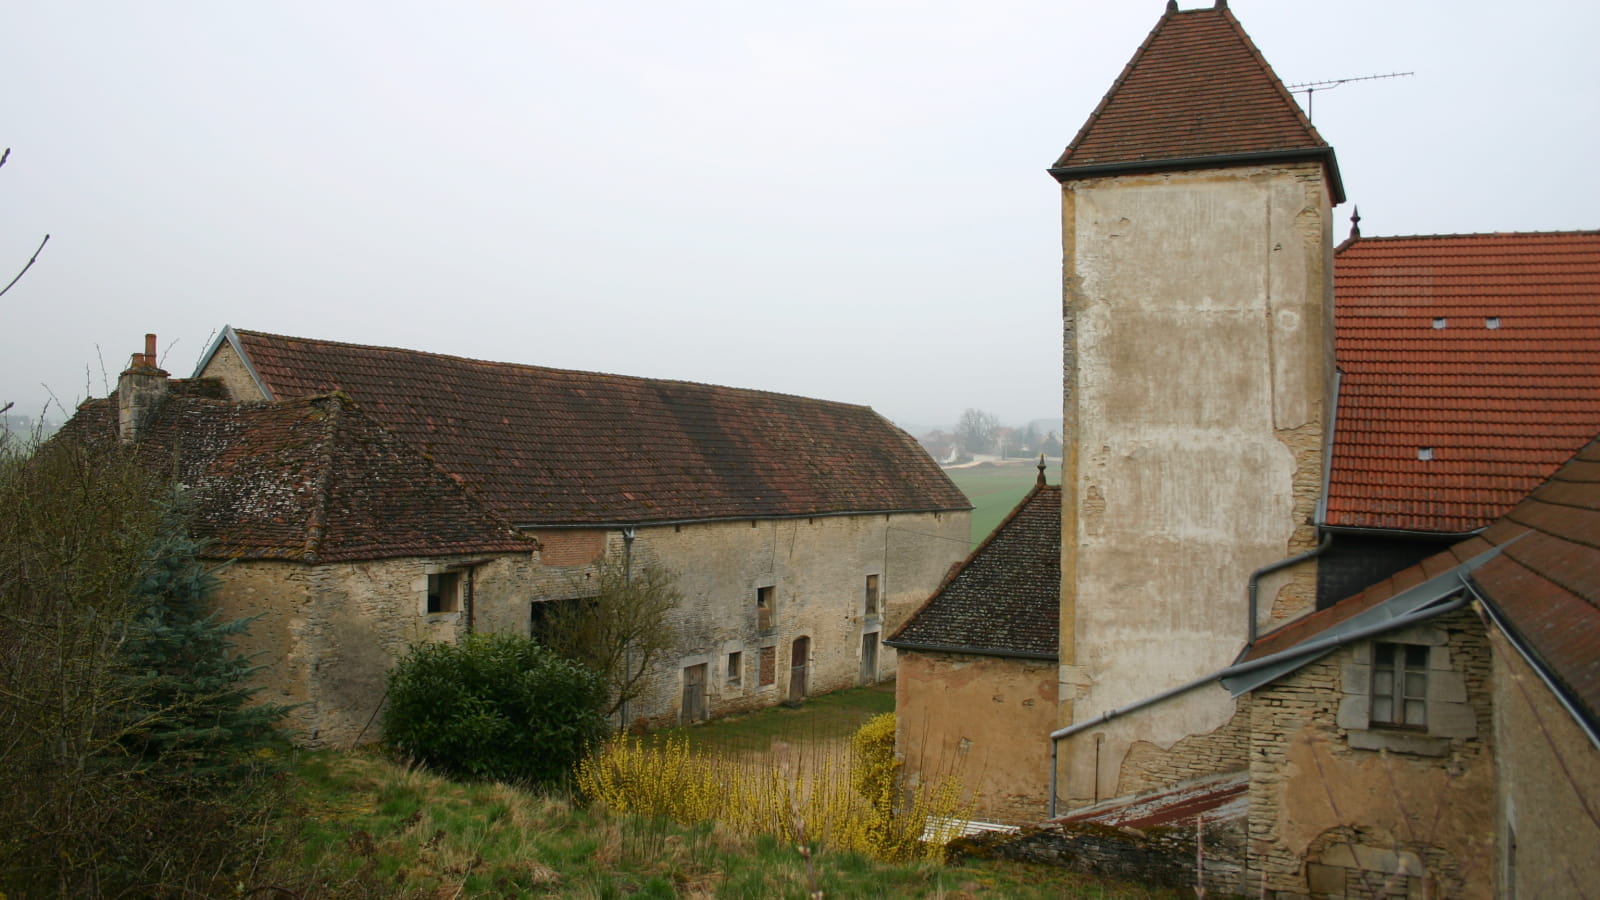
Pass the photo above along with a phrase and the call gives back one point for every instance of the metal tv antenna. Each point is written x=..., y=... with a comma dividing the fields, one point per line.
x=1310, y=88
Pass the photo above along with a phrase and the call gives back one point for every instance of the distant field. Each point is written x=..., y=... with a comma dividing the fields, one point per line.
x=995, y=489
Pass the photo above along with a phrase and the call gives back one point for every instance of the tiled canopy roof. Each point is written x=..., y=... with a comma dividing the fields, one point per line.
x=1545, y=583
x=1005, y=599
x=1196, y=88
x=554, y=447
x=1481, y=351
x=312, y=479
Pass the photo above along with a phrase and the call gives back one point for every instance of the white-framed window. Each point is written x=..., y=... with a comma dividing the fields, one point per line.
x=1399, y=685
x=1405, y=694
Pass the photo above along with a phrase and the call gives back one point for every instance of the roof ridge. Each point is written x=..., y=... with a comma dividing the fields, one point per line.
x=644, y=379
x=1579, y=232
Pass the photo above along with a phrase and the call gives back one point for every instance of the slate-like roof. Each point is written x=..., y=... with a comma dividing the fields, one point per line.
x=1484, y=348
x=547, y=446
x=1005, y=599
x=1197, y=88
x=312, y=479
x=1545, y=582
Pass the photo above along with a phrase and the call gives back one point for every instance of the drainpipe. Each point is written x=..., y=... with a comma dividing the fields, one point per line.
x=628, y=534
x=1310, y=648
x=1268, y=569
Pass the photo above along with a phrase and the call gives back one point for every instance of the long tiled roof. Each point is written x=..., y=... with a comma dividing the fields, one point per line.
x=1005, y=599
x=547, y=446
x=1483, y=349
x=1545, y=582
x=313, y=479
x=1196, y=88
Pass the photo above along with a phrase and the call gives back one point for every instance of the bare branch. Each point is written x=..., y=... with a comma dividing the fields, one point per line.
x=31, y=261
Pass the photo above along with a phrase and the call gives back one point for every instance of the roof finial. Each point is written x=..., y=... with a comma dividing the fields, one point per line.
x=1172, y=6
x=1355, y=223
x=1220, y=4
x=1041, y=470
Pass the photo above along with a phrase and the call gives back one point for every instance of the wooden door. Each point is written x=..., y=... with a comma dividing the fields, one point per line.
x=694, y=693
x=799, y=653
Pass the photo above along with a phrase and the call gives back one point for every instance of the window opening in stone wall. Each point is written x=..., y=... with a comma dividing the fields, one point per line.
x=1400, y=685
x=872, y=595
x=735, y=668
x=764, y=607
x=769, y=666
x=444, y=592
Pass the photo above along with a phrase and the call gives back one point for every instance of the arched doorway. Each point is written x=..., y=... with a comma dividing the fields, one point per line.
x=799, y=653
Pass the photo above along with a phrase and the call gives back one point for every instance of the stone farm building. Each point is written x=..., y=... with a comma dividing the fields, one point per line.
x=1329, y=524
x=369, y=497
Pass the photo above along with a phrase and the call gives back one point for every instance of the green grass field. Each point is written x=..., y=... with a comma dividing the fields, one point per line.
x=995, y=489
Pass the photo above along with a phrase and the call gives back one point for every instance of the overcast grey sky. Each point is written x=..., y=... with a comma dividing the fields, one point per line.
x=838, y=199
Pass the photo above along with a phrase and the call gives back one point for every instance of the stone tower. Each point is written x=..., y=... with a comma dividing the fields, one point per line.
x=1197, y=306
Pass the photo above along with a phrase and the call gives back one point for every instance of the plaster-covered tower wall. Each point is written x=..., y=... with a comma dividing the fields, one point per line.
x=1196, y=207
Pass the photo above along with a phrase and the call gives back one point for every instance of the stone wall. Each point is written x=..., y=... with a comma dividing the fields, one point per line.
x=1150, y=767
x=985, y=719
x=1548, y=785
x=327, y=634
x=1165, y=855
x=1198, y=324
x=1343, y=808
x=226, y=365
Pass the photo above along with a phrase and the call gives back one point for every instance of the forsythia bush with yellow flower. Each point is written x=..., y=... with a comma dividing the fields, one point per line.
x=850, y=800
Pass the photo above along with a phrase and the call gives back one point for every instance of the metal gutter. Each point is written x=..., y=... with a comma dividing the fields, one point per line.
x=1268, y=569
x=972, y=651
x=1487, y=607
x=1324, y=155
x=657, y=523
x=1451, y=537
x=1296, y=656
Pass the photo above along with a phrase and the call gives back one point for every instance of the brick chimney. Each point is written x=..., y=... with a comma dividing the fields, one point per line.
x=140, y=391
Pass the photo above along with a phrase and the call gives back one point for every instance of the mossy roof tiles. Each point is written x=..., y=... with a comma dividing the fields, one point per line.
x=1005, y=599
x=313, y=479
x=545, y=446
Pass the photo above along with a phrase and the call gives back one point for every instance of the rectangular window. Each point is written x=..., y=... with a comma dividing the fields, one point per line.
x=444, y=592
x=872, y=595
x=735, y=668
x=769, y=666
x=1400, y=685
x=764, y=607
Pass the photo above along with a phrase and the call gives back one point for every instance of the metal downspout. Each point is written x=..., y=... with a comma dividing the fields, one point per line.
x=1268, y=569
x=628, y=534
x=1311, y=648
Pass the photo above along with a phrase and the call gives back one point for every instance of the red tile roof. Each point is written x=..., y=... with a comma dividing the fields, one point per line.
x=1196, y=88
x=1545, y=583
x=312, y=479
x=1004, y=599
x=1500, y=407
x=554, y=447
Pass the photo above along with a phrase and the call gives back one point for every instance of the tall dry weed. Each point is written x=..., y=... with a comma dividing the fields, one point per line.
x=848, y=799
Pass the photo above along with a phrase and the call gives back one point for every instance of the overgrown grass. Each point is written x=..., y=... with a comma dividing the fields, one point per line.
x=996, y=489
x=364, y=827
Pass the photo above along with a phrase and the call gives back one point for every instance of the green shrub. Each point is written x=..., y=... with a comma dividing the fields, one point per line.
x=495, y=707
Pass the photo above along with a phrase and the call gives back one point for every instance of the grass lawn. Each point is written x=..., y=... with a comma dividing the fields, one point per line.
x=995, y=490
x=828, y=719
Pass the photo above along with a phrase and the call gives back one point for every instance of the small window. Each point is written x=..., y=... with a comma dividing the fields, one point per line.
x=1440, y=324
x=764, y=607
x=444, y=592
x=1424, y=453
x=769, y=666
x=735, y=668
x=1492, y=323
x=1400, y=685
x=872, y=595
